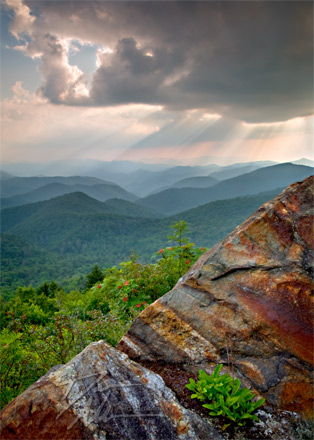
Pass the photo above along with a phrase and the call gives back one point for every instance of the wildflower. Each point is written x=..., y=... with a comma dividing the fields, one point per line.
x=119, y=287
x=144, y=303
x=126, y=283
x=125, y=299
x=134, y=290
x=99, y=286
x=188, y=262
x=161, y=251
x=138, y=305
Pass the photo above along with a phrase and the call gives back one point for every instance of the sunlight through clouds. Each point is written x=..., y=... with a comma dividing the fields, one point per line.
x=41, y=124
x=189, y=81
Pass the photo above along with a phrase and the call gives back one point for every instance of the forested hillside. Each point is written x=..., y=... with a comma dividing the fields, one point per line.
x=63, y=238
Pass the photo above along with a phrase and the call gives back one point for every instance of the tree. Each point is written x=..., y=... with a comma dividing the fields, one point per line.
x=49, y=290
x=95, y=276
x=184, y=250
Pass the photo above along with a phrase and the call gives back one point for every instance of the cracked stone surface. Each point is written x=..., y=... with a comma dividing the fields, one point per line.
x=247, y=303
x=101, y=395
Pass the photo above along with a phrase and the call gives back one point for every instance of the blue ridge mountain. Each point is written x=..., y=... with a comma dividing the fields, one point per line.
x=5, y=176
x=196, y=182
x=175, y=200
x=100, y=192
x=22, y=185
x=126, y=208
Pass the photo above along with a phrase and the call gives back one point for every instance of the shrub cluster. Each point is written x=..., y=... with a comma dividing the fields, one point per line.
x=46, y=326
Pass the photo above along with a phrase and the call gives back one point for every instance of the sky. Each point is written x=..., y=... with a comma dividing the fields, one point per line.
x=187, y=82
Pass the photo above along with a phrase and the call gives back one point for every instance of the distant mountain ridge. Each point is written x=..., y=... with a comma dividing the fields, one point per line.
x=172, y=201
x=234, y=171
x=78, y=203
x=304, y=161
x=138, y=178
x=18, y=191
x=196, y=182
x=100, y=191
x=5, y=176
x=22, y=185
x=144, y=182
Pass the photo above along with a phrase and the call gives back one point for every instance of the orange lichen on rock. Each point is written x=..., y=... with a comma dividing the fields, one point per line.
x=297, y=397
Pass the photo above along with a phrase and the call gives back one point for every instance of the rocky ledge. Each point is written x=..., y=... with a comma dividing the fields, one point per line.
x=247, y=303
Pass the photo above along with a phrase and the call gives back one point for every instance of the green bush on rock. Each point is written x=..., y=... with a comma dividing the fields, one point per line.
x=225, y=396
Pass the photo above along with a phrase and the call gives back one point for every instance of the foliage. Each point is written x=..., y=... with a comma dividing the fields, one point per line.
x=47, y=326
x=226, y=397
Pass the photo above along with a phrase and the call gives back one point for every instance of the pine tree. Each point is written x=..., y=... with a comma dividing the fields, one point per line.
x=95, y=276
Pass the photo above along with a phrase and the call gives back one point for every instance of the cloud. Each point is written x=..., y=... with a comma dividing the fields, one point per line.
x=23, y=20
x=33, y=127
x=249, y=61
x=134, y=74
x=36, y=129
x=63, y=83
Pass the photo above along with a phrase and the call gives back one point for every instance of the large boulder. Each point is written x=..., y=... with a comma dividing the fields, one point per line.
x=98, y=395
x=247, y=303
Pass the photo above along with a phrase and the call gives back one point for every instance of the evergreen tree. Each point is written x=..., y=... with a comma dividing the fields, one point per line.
x=95, y=276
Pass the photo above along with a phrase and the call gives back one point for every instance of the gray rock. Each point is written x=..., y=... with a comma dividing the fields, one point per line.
x=101, y=394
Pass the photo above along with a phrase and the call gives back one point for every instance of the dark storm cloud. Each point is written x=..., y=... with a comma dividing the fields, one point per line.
x=134, y=74
x=246, y=60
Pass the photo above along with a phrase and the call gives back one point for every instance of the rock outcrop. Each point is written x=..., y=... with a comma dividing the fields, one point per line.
x=98, y=395
x=247, y=303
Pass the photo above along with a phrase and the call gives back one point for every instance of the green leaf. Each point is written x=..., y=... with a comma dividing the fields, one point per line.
x=232, y=400
x=217, y=371
x=236, y=386
x=208, y=406
x=258, y=403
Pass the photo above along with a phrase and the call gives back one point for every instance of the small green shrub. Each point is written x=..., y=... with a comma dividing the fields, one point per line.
x=226, y=397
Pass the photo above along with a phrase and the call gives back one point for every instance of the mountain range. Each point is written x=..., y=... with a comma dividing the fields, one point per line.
x=174, y=200
x=169, y=192
x=69, y=234
x=100, y=191
x=136, y=177
x=82, y=221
